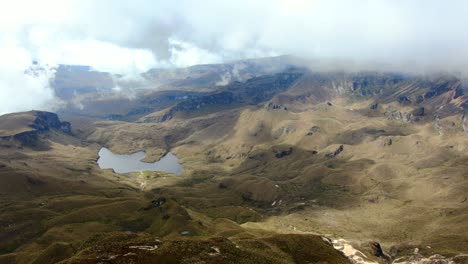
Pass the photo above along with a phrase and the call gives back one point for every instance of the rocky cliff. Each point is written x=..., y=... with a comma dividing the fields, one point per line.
x=26, y=127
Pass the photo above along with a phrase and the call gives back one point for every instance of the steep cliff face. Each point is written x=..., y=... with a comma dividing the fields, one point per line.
x=26, y=127
x=46, y=120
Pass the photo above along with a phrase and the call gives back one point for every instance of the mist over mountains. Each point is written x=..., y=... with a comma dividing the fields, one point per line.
x=301, y=131
x=129, y=38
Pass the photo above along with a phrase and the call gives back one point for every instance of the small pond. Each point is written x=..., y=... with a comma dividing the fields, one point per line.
x=124, y=163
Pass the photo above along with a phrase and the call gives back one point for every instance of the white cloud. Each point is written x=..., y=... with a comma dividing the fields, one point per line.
x=102, y=56
x=185, y=54
x=184, y=33
x=131, y=36
x=20, y=92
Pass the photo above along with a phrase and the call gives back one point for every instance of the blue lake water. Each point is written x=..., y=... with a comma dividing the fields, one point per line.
x=124, y=163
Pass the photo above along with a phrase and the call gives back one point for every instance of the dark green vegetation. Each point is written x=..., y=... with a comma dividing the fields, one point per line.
x=271, y=159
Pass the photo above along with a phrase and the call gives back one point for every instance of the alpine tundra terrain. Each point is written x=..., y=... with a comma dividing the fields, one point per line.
x=283, y=162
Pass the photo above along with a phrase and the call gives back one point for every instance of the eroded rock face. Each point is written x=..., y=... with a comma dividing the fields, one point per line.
x=28, y=138
x=420, y=111
x=396, y=115
x=336, y=152
x=388, y=142
x=411, y=117
x=273, y=106
x=46, y=121
x=378, y=251
x=284, y=153
x=404, y=100
x=26, y=127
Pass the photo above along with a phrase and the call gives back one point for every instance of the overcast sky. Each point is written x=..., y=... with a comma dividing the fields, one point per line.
x=132, y=36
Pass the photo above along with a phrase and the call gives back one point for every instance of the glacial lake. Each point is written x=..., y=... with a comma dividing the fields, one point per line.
x=124, y=163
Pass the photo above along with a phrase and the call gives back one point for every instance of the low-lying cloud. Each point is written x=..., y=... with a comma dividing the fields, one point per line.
x=131, y=36
x=20, y=91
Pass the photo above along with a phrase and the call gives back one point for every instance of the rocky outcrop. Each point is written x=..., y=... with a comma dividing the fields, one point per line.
x=313, y=130
x=415, y=115
x=46, y=121
x=418, y=111
x=396, y=115
x=283, y=153
x=354, y=255
x=404, y=100
x=408, y=117
x=378, y=251
x=27, y=126
x=387, y=142
x=273, y=106
x=336, y=152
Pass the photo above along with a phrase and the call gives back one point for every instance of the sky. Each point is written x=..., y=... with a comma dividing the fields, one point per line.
x=131, y=36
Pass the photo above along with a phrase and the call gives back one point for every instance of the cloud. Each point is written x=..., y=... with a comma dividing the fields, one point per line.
x=102, y=56
x=162, y=33
x=20, y=92
x=132, y=36
x=185, y=54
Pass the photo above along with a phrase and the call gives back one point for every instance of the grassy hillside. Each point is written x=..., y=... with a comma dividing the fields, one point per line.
x=270, y=165
x=276, y=166
x=58, y=206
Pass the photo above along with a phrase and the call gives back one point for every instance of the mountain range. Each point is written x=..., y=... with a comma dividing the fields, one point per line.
x=285, y=161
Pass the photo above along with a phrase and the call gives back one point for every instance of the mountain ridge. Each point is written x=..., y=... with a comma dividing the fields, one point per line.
x=271, y=163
